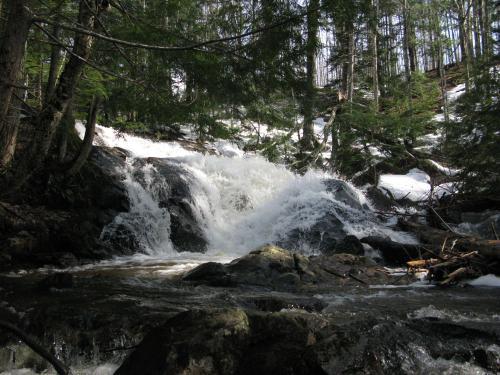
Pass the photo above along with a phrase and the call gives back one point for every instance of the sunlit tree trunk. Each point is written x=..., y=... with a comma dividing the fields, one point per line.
x=86, y=146
x=311, y=49
x=374, y=44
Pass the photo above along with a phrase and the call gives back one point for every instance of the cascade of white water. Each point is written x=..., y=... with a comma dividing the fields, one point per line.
x=239, y=202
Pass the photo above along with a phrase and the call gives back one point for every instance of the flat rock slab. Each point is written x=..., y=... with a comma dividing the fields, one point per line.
x=279, y=269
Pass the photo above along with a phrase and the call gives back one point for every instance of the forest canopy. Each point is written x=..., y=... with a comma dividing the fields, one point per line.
x=377, y=71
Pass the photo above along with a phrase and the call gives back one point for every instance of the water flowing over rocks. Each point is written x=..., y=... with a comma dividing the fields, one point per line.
x=187, y=297
x=271, y=311
x=233, y=341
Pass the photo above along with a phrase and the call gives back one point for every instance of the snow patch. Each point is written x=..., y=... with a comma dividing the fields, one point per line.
x=487, y=280
x=415, y=185
x=446, y=170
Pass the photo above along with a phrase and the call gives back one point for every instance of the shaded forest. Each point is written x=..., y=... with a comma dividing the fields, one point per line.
x=377, y=71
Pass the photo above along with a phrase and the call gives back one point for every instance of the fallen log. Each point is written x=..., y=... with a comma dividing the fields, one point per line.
x=436, y=237
x=421, y=263
x=460, y=257
x=458, y=275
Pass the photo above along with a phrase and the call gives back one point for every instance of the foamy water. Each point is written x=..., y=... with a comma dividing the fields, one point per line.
x=240, y=201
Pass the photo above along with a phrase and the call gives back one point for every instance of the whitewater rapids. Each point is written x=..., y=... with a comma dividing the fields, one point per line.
x=241, y=201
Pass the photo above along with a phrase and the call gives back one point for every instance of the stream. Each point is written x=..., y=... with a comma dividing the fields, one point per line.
x=232, y=203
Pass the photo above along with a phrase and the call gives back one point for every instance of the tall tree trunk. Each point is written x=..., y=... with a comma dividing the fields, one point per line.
x=406, y=53
x=49, y=118
x=412, y=48
x=311, y=48
x=463, y=36
x=55, y=60
x=347, y=46
x=87, y=140
x=374, y=43
x=442, y=73
x=477, y=28
x=486, y=27
x=12, y=51
x=351, y=62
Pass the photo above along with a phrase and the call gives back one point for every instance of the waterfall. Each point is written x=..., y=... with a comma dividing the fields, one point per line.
x=239, y=202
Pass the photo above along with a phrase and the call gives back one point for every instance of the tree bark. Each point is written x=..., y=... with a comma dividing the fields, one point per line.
x=406, y=57
x=311, y=47
x=12, y=51
x=87, y=140
x=55, y=59
x=477, y=27
x=374, y=43
x=485, y=27
x=464, y=45
x=67, y=123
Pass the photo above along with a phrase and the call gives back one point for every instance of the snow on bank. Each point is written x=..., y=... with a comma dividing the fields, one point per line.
x=415, y=186
x=487, y=280
x=140, y=147
x=455, y=93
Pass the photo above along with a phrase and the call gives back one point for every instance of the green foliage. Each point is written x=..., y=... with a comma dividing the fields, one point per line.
x=405, y=119
x=473, y=140
x=359, y=127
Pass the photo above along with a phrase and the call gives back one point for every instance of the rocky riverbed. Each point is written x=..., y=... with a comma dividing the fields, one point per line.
x=271, y=311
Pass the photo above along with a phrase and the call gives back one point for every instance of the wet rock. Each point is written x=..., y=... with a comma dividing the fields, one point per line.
x=322, y=236
x=344, y=193
x=170, y=183
x=59, y=220
x=328, y=231
x=394, y=253
x=278, y=303
x=234, y=341
x=210, y=273
x=276, y=268
x=23, y=243
x=350, y=245
x=227, y=341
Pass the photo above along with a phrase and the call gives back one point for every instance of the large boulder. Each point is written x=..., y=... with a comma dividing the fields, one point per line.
x=59, y=220
x=276, y=268
x=228, y=341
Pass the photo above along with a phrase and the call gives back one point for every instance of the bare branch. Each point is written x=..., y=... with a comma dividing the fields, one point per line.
x=60, y=367
x=169, y=48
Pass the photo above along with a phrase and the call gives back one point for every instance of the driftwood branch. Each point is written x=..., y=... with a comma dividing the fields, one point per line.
x=60, y=367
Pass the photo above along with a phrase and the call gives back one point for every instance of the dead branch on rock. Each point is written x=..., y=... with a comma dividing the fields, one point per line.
x=457, y=257
x=33, y=343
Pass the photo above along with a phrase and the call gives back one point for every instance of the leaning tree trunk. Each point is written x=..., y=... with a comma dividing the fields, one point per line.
x=45, y=124
x=87, y=139
x=311, y=46
x=11, y=56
